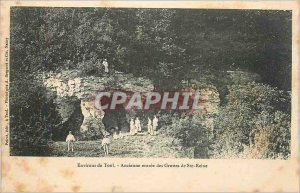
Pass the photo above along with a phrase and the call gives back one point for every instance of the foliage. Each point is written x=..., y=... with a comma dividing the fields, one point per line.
x=32, y=118
x=166, y=45
x=191, y=132
x=94, y=131
x=271, y=137
x=257, y=117
x=91, y=68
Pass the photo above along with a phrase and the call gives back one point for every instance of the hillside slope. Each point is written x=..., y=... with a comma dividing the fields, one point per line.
x=139, y=146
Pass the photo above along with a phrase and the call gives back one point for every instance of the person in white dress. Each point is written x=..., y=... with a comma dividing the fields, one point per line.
x=105, y=64
x=137, y=124
x=70, y=140
x=149, y=126
x=155, y=124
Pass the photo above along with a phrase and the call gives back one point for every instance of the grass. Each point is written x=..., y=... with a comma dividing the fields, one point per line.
x=138, y=146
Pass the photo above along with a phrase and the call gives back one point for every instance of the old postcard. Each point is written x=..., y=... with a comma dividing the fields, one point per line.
x=149, y=96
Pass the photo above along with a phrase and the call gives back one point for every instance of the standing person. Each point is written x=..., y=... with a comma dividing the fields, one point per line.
x=155, y=124
x=105, y=64
x=70, y=139
x=150, y=126
x=105, y=144
x=138, y=127
x=132, y=127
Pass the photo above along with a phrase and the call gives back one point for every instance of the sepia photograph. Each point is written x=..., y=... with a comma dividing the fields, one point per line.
x=149, y=96
x=66, y=63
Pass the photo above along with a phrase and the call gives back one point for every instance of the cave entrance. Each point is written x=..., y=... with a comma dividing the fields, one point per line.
x=71, y=117
x=116, y=121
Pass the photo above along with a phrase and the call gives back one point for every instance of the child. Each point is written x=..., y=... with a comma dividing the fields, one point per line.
x=105, y=144
x=70, y=139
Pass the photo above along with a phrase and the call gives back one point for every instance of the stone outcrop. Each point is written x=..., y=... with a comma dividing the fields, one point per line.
x=75, y=97
x=75, y=91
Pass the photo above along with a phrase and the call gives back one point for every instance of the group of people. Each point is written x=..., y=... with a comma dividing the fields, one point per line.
x=135, y=126
x=152, y=125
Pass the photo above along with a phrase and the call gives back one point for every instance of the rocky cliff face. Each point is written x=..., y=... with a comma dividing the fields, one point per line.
x=76, y=107
x=74, y=99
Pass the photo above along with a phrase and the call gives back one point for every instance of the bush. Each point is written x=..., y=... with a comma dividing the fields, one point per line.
x=94, y=131
x=271, y=137
x=91, y=68
x=167, y=119
x=32, y=117
x=191, y=133
x=254, y=123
